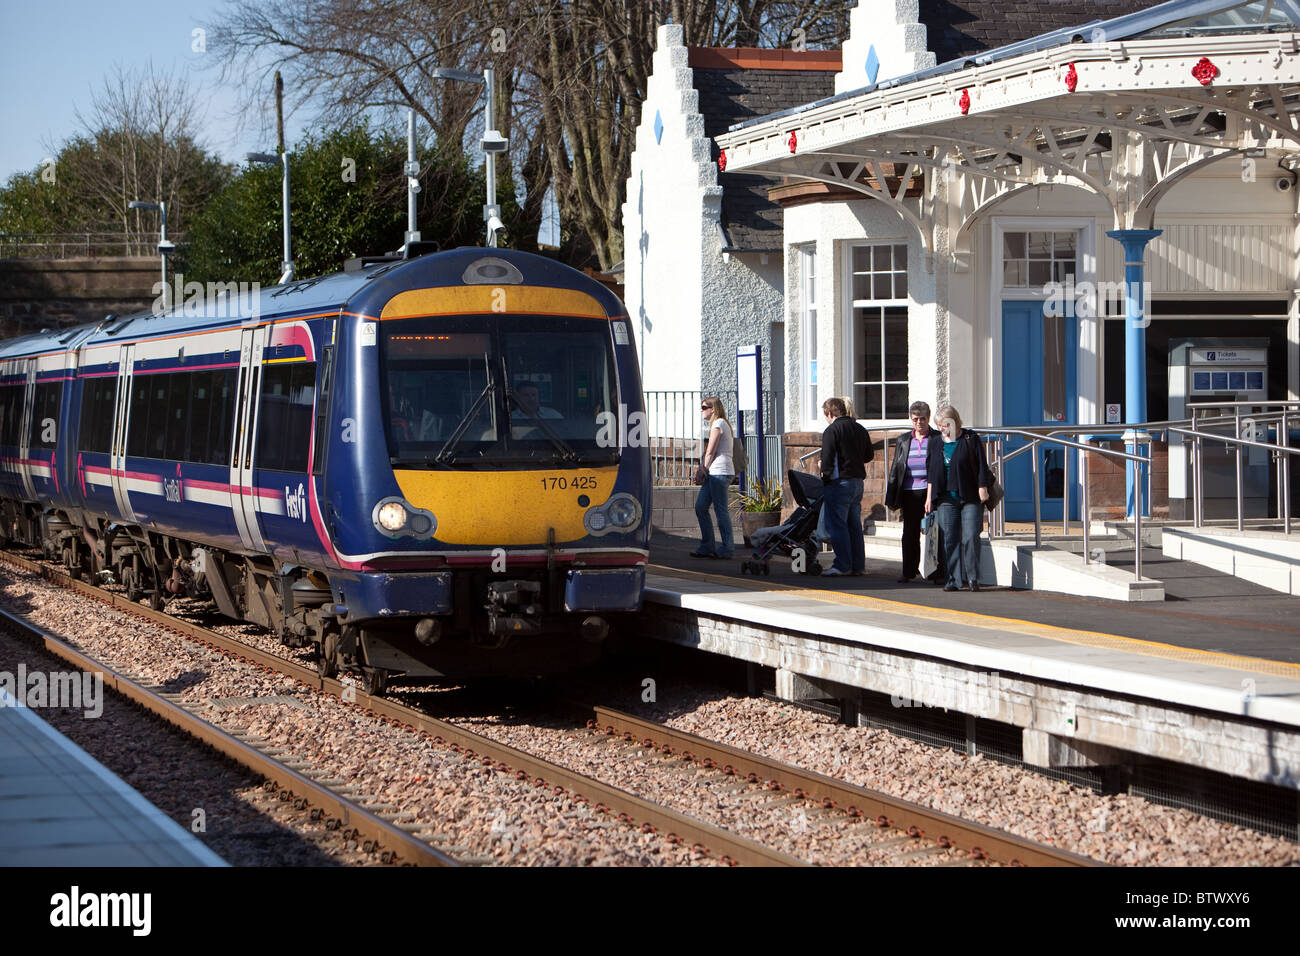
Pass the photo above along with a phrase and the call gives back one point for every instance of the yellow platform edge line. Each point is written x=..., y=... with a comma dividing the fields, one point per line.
x=1051, y=632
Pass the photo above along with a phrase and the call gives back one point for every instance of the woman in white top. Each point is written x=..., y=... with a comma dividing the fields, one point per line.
x=718, y=471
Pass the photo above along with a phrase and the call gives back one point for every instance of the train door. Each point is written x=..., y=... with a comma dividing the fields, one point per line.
x=243, y=489
x=121, y=426
x=25, y=432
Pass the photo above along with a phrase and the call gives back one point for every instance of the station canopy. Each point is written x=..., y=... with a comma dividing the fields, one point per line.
x=1125, y=108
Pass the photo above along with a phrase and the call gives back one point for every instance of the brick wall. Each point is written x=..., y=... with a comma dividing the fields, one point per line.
x=798, y=444
x=1106, y=482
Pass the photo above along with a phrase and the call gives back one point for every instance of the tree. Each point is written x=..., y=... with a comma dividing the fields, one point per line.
x=136, y=142
x=347, y=198
x=572, y=75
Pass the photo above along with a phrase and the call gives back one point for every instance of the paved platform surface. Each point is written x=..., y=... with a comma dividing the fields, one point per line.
x=1204, y=610
x=61, y=807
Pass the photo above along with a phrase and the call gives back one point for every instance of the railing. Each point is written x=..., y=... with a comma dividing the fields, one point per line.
x=67, y=245
x=676, y=428
x=1280, y=451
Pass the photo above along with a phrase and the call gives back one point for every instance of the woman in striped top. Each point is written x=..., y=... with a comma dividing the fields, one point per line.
x=906, y=486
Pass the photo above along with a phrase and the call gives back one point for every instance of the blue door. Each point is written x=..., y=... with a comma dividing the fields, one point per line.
x=1038, y=388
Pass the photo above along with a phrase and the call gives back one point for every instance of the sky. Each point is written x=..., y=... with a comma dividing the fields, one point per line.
x=55, y=53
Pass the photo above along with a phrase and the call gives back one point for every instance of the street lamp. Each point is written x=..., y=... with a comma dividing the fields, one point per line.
x=165, y=247
x=492, y=143
x=270, y=159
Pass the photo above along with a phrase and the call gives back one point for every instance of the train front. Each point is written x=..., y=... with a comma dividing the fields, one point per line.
x=488, y=479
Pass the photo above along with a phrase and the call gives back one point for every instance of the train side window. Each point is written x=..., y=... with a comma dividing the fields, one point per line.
x=156, y=439
x=13, y=403
x=200, y=413
x=178, y=416
x=46, y=399
x=98, y=404
x=137, y=442
x=222, y=416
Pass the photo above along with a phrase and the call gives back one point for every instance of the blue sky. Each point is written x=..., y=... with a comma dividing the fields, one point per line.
x=54, y=53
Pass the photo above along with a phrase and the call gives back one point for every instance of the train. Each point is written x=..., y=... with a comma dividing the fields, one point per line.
x=421, y=465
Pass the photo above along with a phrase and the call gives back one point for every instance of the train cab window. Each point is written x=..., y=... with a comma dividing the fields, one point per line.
x=44, y=431
x=284, y=417
x=98, y=405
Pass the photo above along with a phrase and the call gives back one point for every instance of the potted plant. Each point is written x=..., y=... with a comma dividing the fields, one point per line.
x=760, y=506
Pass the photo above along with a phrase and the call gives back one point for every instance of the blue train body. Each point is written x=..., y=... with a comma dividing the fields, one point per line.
x=432, y=466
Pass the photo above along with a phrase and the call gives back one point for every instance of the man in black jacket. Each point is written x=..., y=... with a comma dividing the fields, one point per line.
x=846, y=449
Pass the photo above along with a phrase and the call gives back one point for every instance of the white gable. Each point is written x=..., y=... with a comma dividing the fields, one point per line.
x=885, y=37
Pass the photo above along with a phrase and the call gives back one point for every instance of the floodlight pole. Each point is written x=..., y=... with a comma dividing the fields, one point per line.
x=490, y=158
x=163, y=244
x=270, y=159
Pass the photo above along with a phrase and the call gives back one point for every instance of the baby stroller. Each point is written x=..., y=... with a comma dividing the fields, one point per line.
x=798, y=532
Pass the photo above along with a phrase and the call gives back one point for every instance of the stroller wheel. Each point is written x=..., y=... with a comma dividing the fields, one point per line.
x=767, y=568
x=814, y=568
x=744, y=567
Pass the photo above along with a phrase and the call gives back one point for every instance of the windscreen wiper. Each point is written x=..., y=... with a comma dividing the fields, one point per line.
x=445, y=455
x=566, y=453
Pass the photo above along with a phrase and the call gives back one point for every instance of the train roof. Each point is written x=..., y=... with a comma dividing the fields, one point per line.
x=362, y=290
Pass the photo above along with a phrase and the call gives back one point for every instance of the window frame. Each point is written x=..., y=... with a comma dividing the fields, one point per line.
x=855, y=376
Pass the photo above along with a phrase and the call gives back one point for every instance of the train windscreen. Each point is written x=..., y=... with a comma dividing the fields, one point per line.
x=505, y=389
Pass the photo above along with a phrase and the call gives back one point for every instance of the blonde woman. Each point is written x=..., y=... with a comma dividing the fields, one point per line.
x=958, y=480
x=717, y=469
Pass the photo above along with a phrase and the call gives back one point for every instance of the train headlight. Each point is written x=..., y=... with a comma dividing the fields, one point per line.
x=395, y=518
x=621, y=513
x=624, y=511
x=391, y=517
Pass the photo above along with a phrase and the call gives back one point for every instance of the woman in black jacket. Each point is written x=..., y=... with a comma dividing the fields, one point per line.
x=959, y=480
x=905, y=489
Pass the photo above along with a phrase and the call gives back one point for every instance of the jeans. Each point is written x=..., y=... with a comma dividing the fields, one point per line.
x=842, y=506
x=912, y=504
x=714, y=492
x=961, y=525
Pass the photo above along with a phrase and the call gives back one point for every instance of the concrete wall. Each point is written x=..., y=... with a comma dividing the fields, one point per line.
x=38, y=294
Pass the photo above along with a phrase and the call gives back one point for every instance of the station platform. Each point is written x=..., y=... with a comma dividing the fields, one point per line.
x=1210, y=676
x=61, y=807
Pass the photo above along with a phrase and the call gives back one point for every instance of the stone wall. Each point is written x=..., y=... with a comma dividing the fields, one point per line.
x=38, y=294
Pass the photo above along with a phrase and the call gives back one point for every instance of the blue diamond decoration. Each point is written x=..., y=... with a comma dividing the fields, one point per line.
x=873, y=64
x=659, y=127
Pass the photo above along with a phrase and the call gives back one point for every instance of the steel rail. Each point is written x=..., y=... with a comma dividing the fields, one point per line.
x=947, y=830
x=629, y=808
x=401, y=846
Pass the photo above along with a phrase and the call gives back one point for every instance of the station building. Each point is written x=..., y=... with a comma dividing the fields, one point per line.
x=1000, y=230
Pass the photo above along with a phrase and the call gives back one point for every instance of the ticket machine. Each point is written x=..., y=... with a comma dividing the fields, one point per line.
x=1217, y=370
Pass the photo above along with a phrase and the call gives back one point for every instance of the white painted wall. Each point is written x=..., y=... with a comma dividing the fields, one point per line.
x=666, y=218
x=833, y=227
x=691, y=305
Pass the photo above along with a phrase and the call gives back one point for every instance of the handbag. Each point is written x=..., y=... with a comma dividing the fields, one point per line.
x=701, y=475
x=930, y=550
x=996, y=494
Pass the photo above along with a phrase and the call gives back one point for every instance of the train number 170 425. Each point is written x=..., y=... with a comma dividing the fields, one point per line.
x=562, y=483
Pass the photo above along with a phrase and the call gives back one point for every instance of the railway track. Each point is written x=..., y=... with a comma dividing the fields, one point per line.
x=376, y=835
x=911, y=820
x=603, y=798
x=916, y=826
